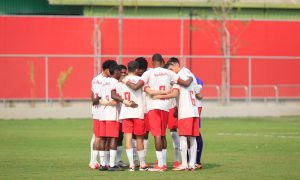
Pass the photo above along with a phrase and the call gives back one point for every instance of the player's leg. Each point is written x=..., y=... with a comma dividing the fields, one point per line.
x=172, y=125
x=112, y=130
x=199, y=143
x=102, y=143
x=199, y=151
x=127, y=128
x=156, y=131
x=129, y=150
x=146, y=136
x=94, y=146
x=164, y=117
x=184, y=130
x=183, y=152
x=193, y=152
x=176, y=146
x=193, y=143
x=135, y=155
x=139, y=131
x=164, y=150
x=113, y=153
x=145, y=141
x=141, y=152
x=107, y=148
x=119, y=161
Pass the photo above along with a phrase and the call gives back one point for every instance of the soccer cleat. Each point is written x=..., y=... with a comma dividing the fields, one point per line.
x=192, y=168
x=131, y=169
x=121, y=164
x=181, y=168
x=103, y=168
x=145, y=168
x=157, y=169
x=115, y=168
x=176, y=164
x=94, y=165
x=198, y=166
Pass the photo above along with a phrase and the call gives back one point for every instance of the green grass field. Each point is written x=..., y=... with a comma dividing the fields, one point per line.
x=234, y=148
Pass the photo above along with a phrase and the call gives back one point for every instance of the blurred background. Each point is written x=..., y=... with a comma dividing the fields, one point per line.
x=245, y=51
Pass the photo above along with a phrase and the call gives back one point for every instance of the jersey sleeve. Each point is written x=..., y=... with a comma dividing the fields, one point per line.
x=174, y=76
x=176, y=86
x=145, y=77
x=114, y=84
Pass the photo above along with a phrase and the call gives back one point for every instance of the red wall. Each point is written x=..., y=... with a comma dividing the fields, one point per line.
x=70, y=35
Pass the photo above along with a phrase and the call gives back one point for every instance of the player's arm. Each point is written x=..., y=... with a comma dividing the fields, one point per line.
x=134, y=86
x=118, y=98
x=185, y=83
x=95, y=99
x=174, y=93
x=153, y=92
x=115, y=96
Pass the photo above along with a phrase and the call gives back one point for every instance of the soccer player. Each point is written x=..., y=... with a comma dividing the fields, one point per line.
x=143, y=67
x=199, y=138
x=188, y=122
x=119, y=161
x=132, y=118
x=158, y=79
x=96, y=86
x=173, y=125
x=173, y=64
x=109, y=124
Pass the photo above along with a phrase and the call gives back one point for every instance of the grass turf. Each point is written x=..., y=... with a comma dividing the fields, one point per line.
x=234, y=148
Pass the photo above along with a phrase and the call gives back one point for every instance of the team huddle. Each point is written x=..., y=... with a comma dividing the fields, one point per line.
x=144, y=100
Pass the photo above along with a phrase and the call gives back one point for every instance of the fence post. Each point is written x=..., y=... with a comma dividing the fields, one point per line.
x=249, y=79
x=276, y=94
x=246, y=93
x=46, y=80
x=218, y=93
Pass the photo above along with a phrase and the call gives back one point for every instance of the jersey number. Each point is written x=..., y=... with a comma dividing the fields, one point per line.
x=127, y=96
x=162, y=88
x=193, y=100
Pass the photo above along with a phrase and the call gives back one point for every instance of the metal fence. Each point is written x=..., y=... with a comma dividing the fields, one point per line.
x=245, y=90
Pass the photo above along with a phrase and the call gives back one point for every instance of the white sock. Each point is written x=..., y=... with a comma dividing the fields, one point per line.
x=119, y=154
x=102, y=158
x=141, y=155
x=94, y=155
x=176, y=145
x=93, y=158
x=183, y=150
x=106, y=153
x=159, y=156
x=129, y=153
x=112, y=158
x=164, y=153
x=135, y=155
x=145, y=146
x=193, y=151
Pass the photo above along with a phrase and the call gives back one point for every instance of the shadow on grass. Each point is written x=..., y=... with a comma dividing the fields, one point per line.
x=210, y=165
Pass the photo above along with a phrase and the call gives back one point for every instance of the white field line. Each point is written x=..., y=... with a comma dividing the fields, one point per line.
x=290, y=135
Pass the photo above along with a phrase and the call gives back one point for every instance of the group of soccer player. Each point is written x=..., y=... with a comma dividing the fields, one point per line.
x=141, y=101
